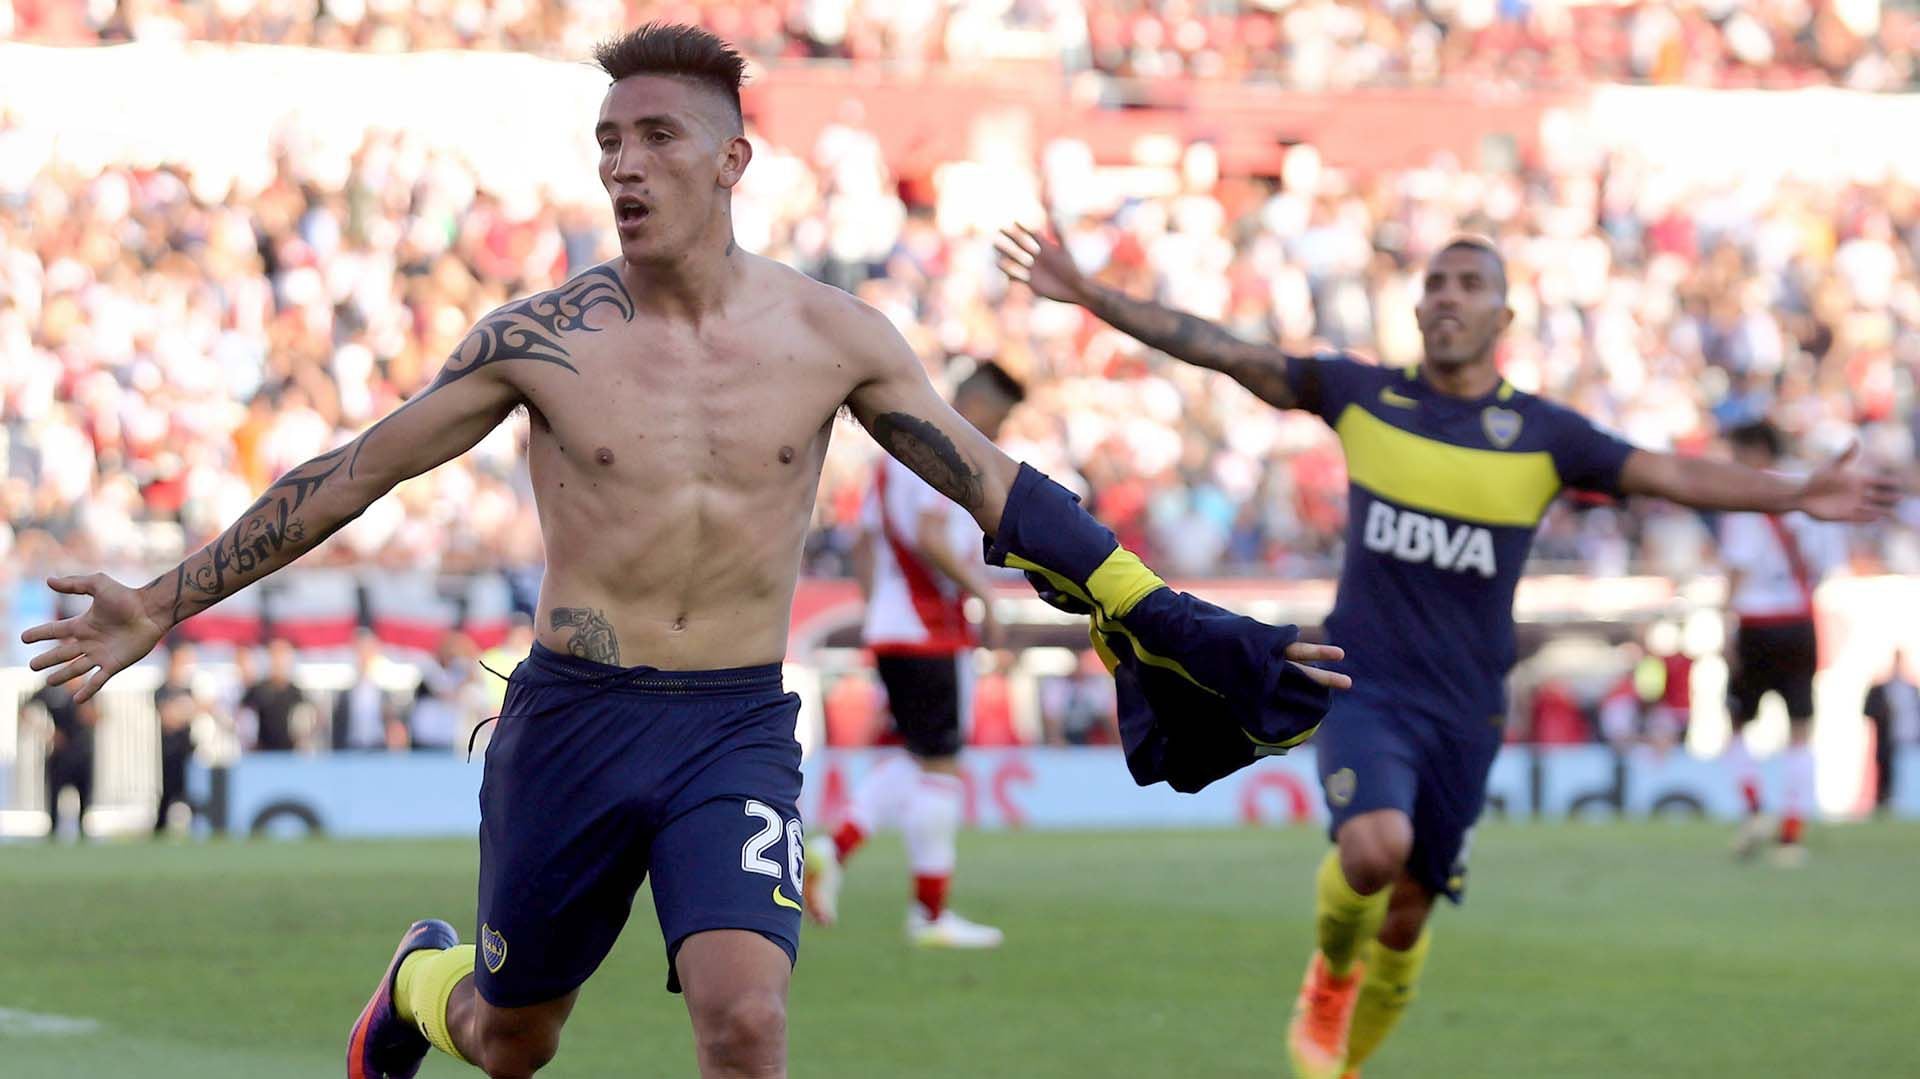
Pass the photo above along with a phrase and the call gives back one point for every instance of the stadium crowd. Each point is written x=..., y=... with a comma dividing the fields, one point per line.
x=1303, y=44
x=169, y=355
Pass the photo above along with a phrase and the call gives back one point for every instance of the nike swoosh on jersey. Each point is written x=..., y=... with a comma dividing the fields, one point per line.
x=1397, y=400
x=780, y=899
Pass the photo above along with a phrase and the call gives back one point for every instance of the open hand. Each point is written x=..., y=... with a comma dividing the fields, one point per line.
x=106, y=638
x=1302, y=654
x=1838, y=492
x=1041, y=264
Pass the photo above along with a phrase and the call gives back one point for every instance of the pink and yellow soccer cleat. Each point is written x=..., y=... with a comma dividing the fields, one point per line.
x=382, y=1045
x=1322, y=1014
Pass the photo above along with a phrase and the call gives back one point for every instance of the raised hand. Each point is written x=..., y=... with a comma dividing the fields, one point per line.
x=1041, y=264
x=107, y=638
x=1839, y=492
x=1303, y=655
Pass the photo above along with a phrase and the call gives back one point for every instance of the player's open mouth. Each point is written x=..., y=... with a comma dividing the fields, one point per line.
x=629, y=211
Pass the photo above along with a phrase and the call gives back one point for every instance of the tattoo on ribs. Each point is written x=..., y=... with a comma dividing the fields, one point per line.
x=528, y=330
x=593, y=635
x=932, y=456
x=267, y=530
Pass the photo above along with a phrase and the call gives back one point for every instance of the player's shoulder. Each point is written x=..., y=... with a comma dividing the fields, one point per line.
x=825, y=309
x=583, y=301
x=1324, y=381
x=1339, y=363
x=849, y=326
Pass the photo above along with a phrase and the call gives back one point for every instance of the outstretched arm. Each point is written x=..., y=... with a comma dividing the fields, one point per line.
x=1836, y=492
x=1044, y=266
x=896, y=403
x=311, y=502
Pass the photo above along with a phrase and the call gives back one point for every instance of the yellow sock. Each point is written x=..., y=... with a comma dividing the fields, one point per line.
x=1343, y=916
x=1384, y=995
x=424, y=985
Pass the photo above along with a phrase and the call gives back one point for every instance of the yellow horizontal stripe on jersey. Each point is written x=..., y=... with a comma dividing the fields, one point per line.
x=1491, y=487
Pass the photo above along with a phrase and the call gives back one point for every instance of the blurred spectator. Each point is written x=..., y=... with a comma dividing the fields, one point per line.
x=1079, y=709
x=1554, y=717
x=70, y=728
x=444, y=708
x=366, y=716
x=497, y=663
x=176, y=707
x=992, y=720
x=1893, y=707
x=853, y=707
x=273, y=710
x=1650, y=704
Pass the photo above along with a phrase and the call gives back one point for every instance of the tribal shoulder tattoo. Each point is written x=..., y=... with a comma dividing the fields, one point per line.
x=281, y=525
x=529, y=329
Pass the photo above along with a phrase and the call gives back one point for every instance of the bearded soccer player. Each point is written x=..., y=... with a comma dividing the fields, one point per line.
x=680, y=396
x=1450, y=469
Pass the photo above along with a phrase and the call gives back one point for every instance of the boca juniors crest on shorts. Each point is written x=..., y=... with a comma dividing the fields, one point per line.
x=493, y=949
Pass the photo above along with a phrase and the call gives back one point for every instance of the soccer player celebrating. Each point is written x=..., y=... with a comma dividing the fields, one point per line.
x=681, y=396
x=1450, y=469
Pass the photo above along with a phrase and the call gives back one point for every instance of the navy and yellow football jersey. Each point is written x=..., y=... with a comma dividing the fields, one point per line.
x=1444, y=496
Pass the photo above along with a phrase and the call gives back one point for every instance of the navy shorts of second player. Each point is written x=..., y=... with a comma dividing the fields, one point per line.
x=1375, y=752
x=600, y=776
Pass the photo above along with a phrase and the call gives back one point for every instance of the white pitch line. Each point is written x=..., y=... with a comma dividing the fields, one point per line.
x=18, y=1024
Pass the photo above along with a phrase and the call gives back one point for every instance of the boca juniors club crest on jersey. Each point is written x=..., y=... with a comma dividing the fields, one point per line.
x=1501, y=424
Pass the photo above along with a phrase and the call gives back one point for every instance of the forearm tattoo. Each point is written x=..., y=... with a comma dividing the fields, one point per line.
x=932, y=456
x=527, y=330
x=270, y=534
x=593, y=636
x=1259, y=368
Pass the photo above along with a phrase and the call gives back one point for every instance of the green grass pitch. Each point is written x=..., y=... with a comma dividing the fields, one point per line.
x=1586, y=950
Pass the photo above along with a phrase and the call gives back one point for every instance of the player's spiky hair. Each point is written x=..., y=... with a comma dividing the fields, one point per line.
x=671, y=49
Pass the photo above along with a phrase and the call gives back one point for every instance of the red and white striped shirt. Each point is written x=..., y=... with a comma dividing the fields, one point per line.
x=914, y=609
x=1781, y=560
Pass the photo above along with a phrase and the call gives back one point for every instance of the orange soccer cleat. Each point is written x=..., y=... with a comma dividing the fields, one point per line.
x=1322, y=1014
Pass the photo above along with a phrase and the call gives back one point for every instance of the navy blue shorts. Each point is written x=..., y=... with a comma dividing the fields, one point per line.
x=1375, y=753
x=598, y=776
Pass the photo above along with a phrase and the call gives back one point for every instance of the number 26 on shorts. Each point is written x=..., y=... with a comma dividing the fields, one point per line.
x=753, y=855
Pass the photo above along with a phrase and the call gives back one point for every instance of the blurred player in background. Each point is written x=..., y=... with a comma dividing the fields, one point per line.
x=1892, y=708
x=1450, y=469
x=681, y=398
x=175, y=706
x=1774, y=562
x=69, y=726
x=917, y=562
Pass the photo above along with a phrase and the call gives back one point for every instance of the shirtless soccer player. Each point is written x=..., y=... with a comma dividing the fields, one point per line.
x=1450, y=469
x=681, y=397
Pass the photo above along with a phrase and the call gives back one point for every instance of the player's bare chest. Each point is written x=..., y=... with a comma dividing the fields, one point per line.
x=744, y=411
